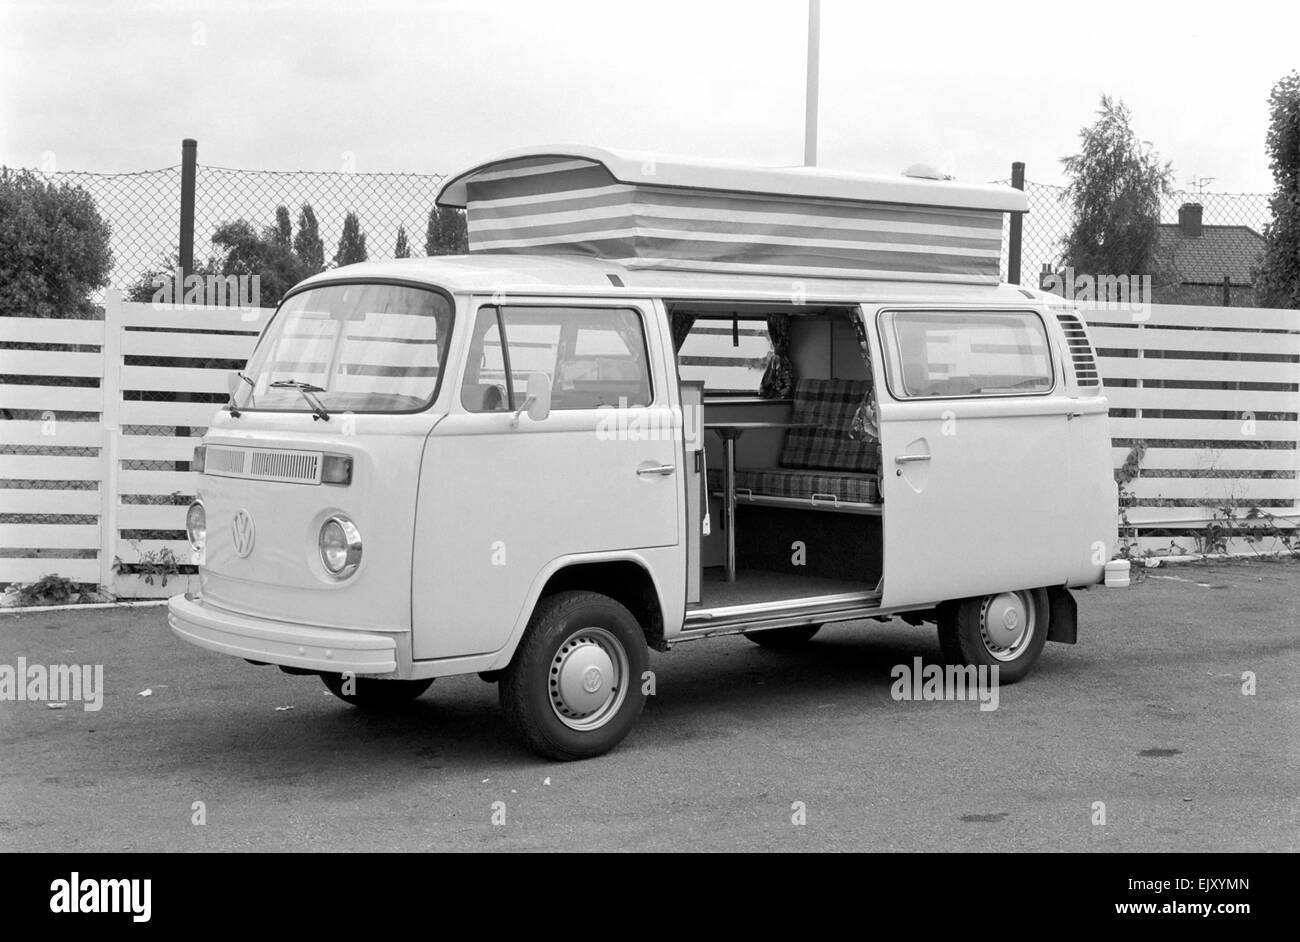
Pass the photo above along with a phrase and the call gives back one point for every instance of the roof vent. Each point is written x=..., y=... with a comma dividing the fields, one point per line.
x=926, y=172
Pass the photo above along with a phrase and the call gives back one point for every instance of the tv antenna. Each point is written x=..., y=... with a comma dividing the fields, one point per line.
x=1199, y=184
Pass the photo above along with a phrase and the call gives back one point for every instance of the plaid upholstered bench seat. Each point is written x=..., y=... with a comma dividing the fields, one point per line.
x=821, y=463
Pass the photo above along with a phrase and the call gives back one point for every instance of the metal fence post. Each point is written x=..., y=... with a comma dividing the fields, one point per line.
x=1017, y=226
x=189, y=161
x=110, y=390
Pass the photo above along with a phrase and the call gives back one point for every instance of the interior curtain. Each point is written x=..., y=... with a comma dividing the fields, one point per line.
x=778, y=378
x=680, y=323
x=864, y=426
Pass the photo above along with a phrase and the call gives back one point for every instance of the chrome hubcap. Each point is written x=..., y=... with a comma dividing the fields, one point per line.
x=588, y=679
x=1007, y=623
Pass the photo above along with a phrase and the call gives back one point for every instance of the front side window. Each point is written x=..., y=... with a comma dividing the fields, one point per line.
x=593, y=357
x=971, y=353
x=353, y=347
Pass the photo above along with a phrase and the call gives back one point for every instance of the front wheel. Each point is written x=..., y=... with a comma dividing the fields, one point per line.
x=1006, y=630
x=370, y=693
x=573, y=689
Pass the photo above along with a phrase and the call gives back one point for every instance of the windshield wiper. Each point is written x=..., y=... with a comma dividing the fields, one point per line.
x=308, y=391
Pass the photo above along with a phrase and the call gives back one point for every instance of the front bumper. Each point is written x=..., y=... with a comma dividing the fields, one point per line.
x=330, y=650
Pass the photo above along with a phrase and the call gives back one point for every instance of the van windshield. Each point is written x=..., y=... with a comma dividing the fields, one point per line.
x=355, y=348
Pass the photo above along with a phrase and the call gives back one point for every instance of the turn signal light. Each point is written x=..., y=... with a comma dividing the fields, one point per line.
x=336, y=469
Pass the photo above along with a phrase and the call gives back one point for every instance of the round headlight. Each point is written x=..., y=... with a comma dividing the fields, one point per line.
x=340, y=546
x=196, y=524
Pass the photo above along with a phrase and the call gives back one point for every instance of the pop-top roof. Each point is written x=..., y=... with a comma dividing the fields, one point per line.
x=666, y=212
x=694, y=173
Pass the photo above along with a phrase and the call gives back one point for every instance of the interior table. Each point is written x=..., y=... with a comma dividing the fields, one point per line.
x=729, y=432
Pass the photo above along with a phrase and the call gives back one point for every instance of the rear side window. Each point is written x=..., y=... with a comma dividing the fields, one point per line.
x=970, y=353
x=729, y=356
x=594, y=357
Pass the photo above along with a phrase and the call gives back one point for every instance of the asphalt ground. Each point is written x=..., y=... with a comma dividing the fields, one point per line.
x=740, y=748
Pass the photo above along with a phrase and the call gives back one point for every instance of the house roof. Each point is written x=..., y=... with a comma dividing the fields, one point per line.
x=1205, y=259
x=694, y=173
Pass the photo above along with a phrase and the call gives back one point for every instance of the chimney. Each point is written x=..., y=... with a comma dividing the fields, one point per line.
x=1189, y=220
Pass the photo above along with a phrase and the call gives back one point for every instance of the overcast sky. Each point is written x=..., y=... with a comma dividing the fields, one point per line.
x=435, y=86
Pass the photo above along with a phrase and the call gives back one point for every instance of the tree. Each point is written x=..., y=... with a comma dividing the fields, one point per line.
x=433, y=233
x=146, y=285
x=446, y=233
x=401, y=249
x=1116, y=185
x=307, y=244
x=283, y=229
x=54, y=248
x=242, y=250
x=455, y=235
x=352, y=244
x=1277, y=281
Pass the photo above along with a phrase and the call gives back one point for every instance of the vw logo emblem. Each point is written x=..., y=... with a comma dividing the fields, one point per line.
x=241, y=529
x=591, y=679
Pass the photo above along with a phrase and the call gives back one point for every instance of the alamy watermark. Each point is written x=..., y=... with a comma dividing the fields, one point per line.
x=1130, y=294
x=79, y=894
x=207, y=290
x=624, y=423
x=57, y=683
x=919, y=681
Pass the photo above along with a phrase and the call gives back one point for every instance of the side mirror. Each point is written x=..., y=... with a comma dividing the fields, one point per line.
x=539, y=396
x=537, y=399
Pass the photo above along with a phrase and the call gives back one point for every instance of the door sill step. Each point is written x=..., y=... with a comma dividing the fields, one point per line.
x=814, y=610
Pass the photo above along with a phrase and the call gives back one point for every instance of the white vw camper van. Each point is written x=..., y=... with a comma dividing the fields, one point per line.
x=659, y=400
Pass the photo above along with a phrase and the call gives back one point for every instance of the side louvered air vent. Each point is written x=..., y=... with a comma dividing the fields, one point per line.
x=264, y=464
x=1085, y=364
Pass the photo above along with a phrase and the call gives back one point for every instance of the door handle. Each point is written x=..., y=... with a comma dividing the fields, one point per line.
x=1073, y=415
x=909, y=459
x=664, y=469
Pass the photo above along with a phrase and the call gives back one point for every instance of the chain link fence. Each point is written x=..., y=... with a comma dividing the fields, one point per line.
x=1047, y=224
x=143, y=209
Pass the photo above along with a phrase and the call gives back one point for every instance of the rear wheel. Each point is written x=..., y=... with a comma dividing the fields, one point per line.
x=370, y=693
x=573, y=689
x=795, y=636
x=1006, y=630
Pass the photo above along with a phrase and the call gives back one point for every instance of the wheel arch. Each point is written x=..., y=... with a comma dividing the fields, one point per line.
x=626, y=581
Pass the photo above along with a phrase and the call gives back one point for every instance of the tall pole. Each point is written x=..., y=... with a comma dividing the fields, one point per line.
x=1017, y=228
x=810, y=104
x=189, y=159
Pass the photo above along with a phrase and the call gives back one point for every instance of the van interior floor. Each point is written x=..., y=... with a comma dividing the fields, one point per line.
x=761, y=586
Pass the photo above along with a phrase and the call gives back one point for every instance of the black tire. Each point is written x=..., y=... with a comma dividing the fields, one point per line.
x=784, y=639
x=370, y=693
x=564, y=634
x=964, y=641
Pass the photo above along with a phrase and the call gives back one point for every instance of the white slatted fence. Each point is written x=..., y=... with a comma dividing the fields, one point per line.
x=98, y=423
x=1214, y=395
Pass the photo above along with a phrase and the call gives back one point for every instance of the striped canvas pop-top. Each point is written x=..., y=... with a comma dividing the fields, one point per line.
x=656, y=212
